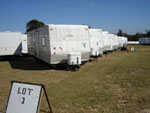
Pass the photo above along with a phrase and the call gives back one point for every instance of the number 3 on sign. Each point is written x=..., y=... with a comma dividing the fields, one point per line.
x=23, y=100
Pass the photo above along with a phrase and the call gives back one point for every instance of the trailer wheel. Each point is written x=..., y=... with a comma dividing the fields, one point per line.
x=35, y=60
x=75, y=68
x=96, y=59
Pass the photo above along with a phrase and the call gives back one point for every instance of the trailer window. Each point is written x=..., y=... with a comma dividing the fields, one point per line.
x=33, y=40
x=43, y=41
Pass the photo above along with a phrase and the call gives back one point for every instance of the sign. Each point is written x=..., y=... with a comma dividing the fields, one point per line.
x=24, y=98
x=132, y=49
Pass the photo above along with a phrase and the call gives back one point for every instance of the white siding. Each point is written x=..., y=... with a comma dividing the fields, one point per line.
x=10, y=43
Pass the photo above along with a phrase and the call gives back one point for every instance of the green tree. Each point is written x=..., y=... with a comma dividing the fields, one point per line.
x=134, y=37
x=120, y=33
x=147, y=33
x=33, y=24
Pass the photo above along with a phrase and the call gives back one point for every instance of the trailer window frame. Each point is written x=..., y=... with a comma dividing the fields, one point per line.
x=43, y=41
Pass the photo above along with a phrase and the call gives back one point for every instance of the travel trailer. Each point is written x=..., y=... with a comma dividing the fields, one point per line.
x=10, y=43
x=144, y=41
x=55, y=44
x=96, y=42
x=112, y=42
x=106, y=41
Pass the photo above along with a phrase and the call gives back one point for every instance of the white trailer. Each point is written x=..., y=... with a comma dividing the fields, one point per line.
x=148, y=40
x=112, y=42
x=24, y=44
x=101, y=43
x=10, y=43
x=56, y=44
x=120, y=41
x=133, y=42
x=125, y=41
x=116, y=42
x=96, y=42
x=144, y=41
x=106, y=41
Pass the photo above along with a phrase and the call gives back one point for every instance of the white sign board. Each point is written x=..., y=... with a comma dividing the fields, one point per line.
x=24, y=98
x=132, y=49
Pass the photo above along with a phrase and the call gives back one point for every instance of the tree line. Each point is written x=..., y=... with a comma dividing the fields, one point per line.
x=134, y=37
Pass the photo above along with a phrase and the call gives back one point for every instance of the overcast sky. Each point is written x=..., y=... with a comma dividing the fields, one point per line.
x=129, y=15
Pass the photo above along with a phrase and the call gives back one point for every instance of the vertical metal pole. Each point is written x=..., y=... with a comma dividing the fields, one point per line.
x=50, y=108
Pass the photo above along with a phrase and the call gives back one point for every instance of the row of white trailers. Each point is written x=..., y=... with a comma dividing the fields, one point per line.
x=55, y=44
x=144, y=41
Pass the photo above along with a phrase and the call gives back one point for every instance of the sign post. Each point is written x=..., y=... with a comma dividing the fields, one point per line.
x=25, y=98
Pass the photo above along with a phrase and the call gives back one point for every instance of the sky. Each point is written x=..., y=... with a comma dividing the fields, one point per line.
x=109, y=15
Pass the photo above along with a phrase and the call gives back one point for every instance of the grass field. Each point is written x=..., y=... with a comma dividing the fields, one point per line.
x=118, y=83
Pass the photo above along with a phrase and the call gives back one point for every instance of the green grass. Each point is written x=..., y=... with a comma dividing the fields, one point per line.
x=118, y=83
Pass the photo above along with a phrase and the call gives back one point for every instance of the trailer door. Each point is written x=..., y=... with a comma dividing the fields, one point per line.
x=37, y=41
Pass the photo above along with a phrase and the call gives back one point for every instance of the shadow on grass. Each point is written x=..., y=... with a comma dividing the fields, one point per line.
x=27, y=63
